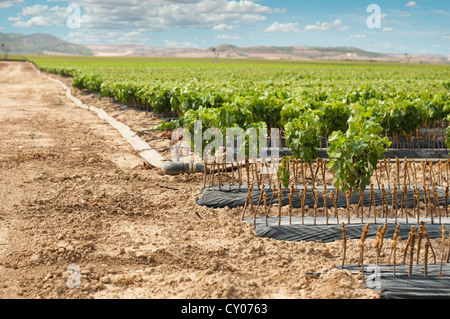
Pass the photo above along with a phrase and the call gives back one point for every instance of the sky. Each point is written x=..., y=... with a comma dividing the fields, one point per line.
x=388, y=26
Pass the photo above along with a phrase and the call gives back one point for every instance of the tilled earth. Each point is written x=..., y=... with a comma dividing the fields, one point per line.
x=75, y=197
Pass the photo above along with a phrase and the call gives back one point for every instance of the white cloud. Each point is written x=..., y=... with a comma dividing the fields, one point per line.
x=4, y=4
x=228, y=37
x=446, y=37
x=34, y=11
x=387, y=29
x=164, y=15
x=325, y=26
x=144, y=16
x=224, y=27
x=14, y=19
x=411, y=4
x=33, y=22
x=405, y=15
x=40, y=16
x=250, y=18
x=283, y=28
x=358, y=36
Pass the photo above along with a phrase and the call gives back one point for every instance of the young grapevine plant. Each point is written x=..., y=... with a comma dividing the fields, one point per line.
x=354, y=155
x=303, y=137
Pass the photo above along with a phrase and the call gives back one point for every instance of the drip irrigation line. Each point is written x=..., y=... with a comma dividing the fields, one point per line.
x=167, y=187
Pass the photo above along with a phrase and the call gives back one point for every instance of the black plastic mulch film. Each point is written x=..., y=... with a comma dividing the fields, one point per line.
x=232, y=198
x=296, y=228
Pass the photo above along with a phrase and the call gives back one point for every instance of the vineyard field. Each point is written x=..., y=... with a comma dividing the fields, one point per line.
x=401, y=98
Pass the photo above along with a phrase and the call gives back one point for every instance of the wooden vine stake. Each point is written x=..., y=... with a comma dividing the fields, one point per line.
x=372, y=200
x=405, y=170
x=361, y=205
x=430, y=205
x=427, y=237
x=425, y=199
x=348, y=195
x=446, y=201
x=424, y=168
x=316, y=199
x=344, y=244
x=431, y=173
x=325, y=206
x=303, y=199
x=448, y=252
x=261, y=196
x=442, y=249
x=334, y=199
x=274, y=190
x=394, y=247
x=418, y=202
x=239, y=169
x=408, y=243
x=425, y=262
x=387, y=167
x=361, y=245
x=384, y=202
x=397, y=166
x=395, y=202
x=280, y=203
x=291, y=198
x=405, y=202
x=379, y=243
x=211, y=173
x=436, y=200
x=247, y=201
x=295, y=167
x=247, y=168
x=411, y=254
x=205, y=173
x=219, y=172
x=415, y=172
x=420, y=234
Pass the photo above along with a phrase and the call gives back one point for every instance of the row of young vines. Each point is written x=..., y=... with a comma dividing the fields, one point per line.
x=359, y=109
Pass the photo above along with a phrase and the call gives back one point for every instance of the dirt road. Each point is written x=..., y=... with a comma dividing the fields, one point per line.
x=73, y=197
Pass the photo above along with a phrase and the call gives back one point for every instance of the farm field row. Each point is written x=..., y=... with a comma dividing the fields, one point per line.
x=271, y=93
x=360, y=108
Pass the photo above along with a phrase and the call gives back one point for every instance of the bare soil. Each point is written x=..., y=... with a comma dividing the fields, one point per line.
x=75, y=194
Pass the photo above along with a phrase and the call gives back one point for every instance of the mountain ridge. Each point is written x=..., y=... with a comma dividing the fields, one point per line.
x=47, y=44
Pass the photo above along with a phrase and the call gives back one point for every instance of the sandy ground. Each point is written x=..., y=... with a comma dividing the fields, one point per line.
x=75, y=196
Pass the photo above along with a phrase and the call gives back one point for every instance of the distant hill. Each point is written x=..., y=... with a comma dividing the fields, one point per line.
x=265, y=52
x=40, y=43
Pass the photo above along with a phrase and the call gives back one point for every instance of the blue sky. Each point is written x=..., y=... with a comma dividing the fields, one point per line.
x=415, y=27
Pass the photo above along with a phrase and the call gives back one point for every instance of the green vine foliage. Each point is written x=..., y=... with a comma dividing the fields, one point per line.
x=303, y=136
x=354, y=155
x=283, y=173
